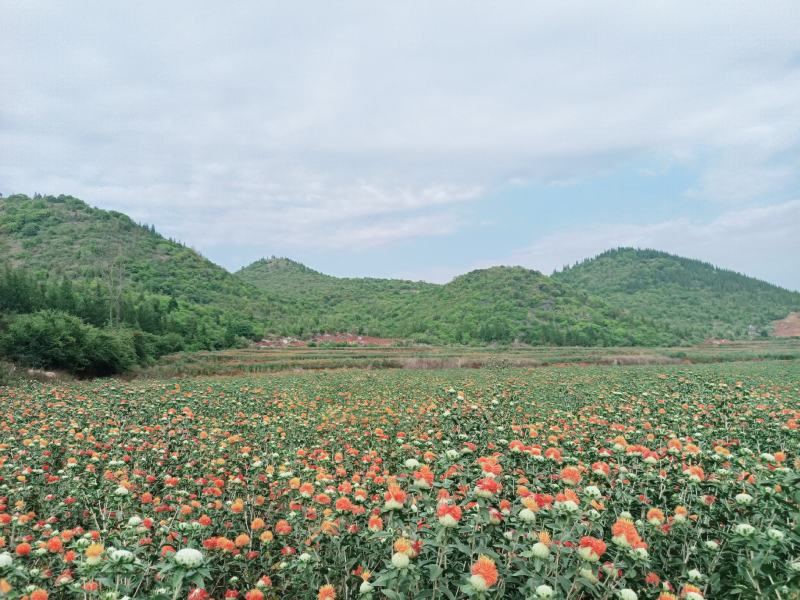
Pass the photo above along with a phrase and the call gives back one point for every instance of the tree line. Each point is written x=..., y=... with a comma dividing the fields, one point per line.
x=97, y=327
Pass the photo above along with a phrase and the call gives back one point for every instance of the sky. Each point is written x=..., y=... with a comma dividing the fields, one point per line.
x=417, y=139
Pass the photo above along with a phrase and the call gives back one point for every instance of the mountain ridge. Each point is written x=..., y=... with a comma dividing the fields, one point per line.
x=624, y=296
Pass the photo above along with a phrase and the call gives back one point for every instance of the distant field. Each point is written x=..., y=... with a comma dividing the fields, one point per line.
x=264, y=360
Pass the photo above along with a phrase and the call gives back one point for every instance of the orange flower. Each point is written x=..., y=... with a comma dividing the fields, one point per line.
x=423, y=477
x=375, y=523
x=403, y=545
x=283, y=527
x=570, y=475
x=487, y=487
x=343, y=504
x=93, y=551
x=326, y=592
x=394, y=497
x=449, y=514
x=691, y=591
x=39, y=594
x=23, y=549
x=625, y=534
x=266, y=536
x=655, y=516
x=695, y=473
x=591, y=548
x=254, y=595
x=484, y=573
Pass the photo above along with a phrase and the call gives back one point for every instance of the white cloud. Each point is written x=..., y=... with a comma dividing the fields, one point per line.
x=760, y=242
x=226, y=122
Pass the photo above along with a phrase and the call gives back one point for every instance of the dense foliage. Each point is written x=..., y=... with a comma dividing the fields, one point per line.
x=642, y=483
x=100, y=266
x=693, y=298
x=501, y=304
x=622, y=297
x=128, y=285
x=81, y=328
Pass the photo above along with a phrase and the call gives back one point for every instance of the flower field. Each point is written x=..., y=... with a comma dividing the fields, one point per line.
x=594, y=482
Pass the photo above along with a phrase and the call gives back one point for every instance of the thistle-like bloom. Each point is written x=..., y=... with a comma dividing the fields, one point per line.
x=394, y=498
x=449, y=515
x=570, y=475
x=487, y=487
x=189, y=557
x=484, y=573
x=591, y=549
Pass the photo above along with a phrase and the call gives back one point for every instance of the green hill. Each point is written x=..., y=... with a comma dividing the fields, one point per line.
x=60, y=254
x=501, y=304
x=73, y=276
x=68, y=238
x=695, y=299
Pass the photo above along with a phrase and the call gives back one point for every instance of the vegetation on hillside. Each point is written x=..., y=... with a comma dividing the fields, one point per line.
x=693, y=298
x=117, y=294
x=501, y=304
x=91, y=292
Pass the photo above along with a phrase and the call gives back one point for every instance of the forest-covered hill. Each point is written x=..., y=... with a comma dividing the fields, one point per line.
x=125, y=294
x=693, y=298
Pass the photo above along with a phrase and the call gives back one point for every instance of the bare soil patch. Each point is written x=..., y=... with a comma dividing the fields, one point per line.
x=788, y=327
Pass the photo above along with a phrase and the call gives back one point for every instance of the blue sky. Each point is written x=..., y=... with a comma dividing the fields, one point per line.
x=417, y=139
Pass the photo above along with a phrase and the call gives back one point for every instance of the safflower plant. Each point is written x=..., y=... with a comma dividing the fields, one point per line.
x=593, y=482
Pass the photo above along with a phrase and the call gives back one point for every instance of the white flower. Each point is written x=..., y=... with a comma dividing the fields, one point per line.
x=568, y=506
x=365, y=587
x=122, y=556
x=5, y=560
x=479, y=583
x=527, y=515
x=544, y=591
x=305, y=557
x=189, y=557
x=627, y=594
x=744, y=499
x=540, y=550
x=134, y=521
x=712, y=545
x=400, y=560
x=795, y=566
x=412, y=463
x=775, y=534
x=592, y=491
x=694, y=575
x=121, y=491
x=744, y=529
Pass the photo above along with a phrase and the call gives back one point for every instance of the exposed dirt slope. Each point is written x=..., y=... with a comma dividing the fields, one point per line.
x=788, y=327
